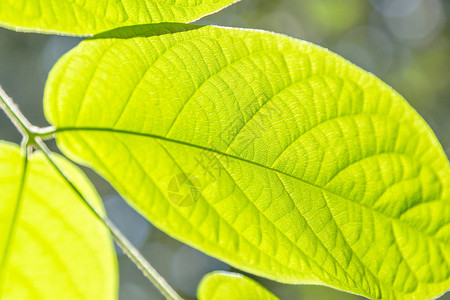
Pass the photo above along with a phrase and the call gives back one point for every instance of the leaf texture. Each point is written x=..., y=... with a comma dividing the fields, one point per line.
x=272, y=154
x=226, y=285
x=86, y=17
x=51, y=247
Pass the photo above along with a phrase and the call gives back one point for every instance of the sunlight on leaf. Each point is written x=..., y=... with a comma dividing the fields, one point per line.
x=295, y=164
x=52, y=248
x=226, y=285
x=76, y=17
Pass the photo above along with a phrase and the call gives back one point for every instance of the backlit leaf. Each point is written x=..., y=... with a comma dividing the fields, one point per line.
x=272, y=154
x=225, y=286
x=86, y=17
x=51, y=246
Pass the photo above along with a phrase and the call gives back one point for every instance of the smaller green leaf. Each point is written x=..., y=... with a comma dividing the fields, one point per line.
x=225, y=285
x=76, y=17
x=51, y=247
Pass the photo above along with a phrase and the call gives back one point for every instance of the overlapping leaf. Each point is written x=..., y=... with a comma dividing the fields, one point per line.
x=51, y=247
x=86, y=17
x=225, y=285
x=272, y=154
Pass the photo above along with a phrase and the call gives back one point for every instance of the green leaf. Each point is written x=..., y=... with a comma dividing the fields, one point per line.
x=225, y=285
x=86, y=17
x=272, y=154
x=51, y=246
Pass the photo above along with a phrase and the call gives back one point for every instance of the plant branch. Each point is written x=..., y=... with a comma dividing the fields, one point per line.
x=20, y=122
x=120, y=239
x=15, y=115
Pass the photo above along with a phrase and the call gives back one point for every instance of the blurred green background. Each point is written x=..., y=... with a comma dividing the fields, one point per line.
x=404, y=42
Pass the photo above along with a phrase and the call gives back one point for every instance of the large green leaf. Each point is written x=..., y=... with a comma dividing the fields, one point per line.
x=51, y=247
x=272, y=154
x=86, y=17
x=225, y=286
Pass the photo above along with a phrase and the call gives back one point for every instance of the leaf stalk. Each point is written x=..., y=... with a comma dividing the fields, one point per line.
x=133, y=254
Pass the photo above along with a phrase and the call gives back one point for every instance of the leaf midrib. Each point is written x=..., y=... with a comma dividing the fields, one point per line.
x=368, y=293
x=349, y=278
x=158, y=137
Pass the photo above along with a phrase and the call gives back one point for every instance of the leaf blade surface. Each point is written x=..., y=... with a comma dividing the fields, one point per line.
x=300, y=166
x=226, y=285
x=57, y=249
x=75, y=17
